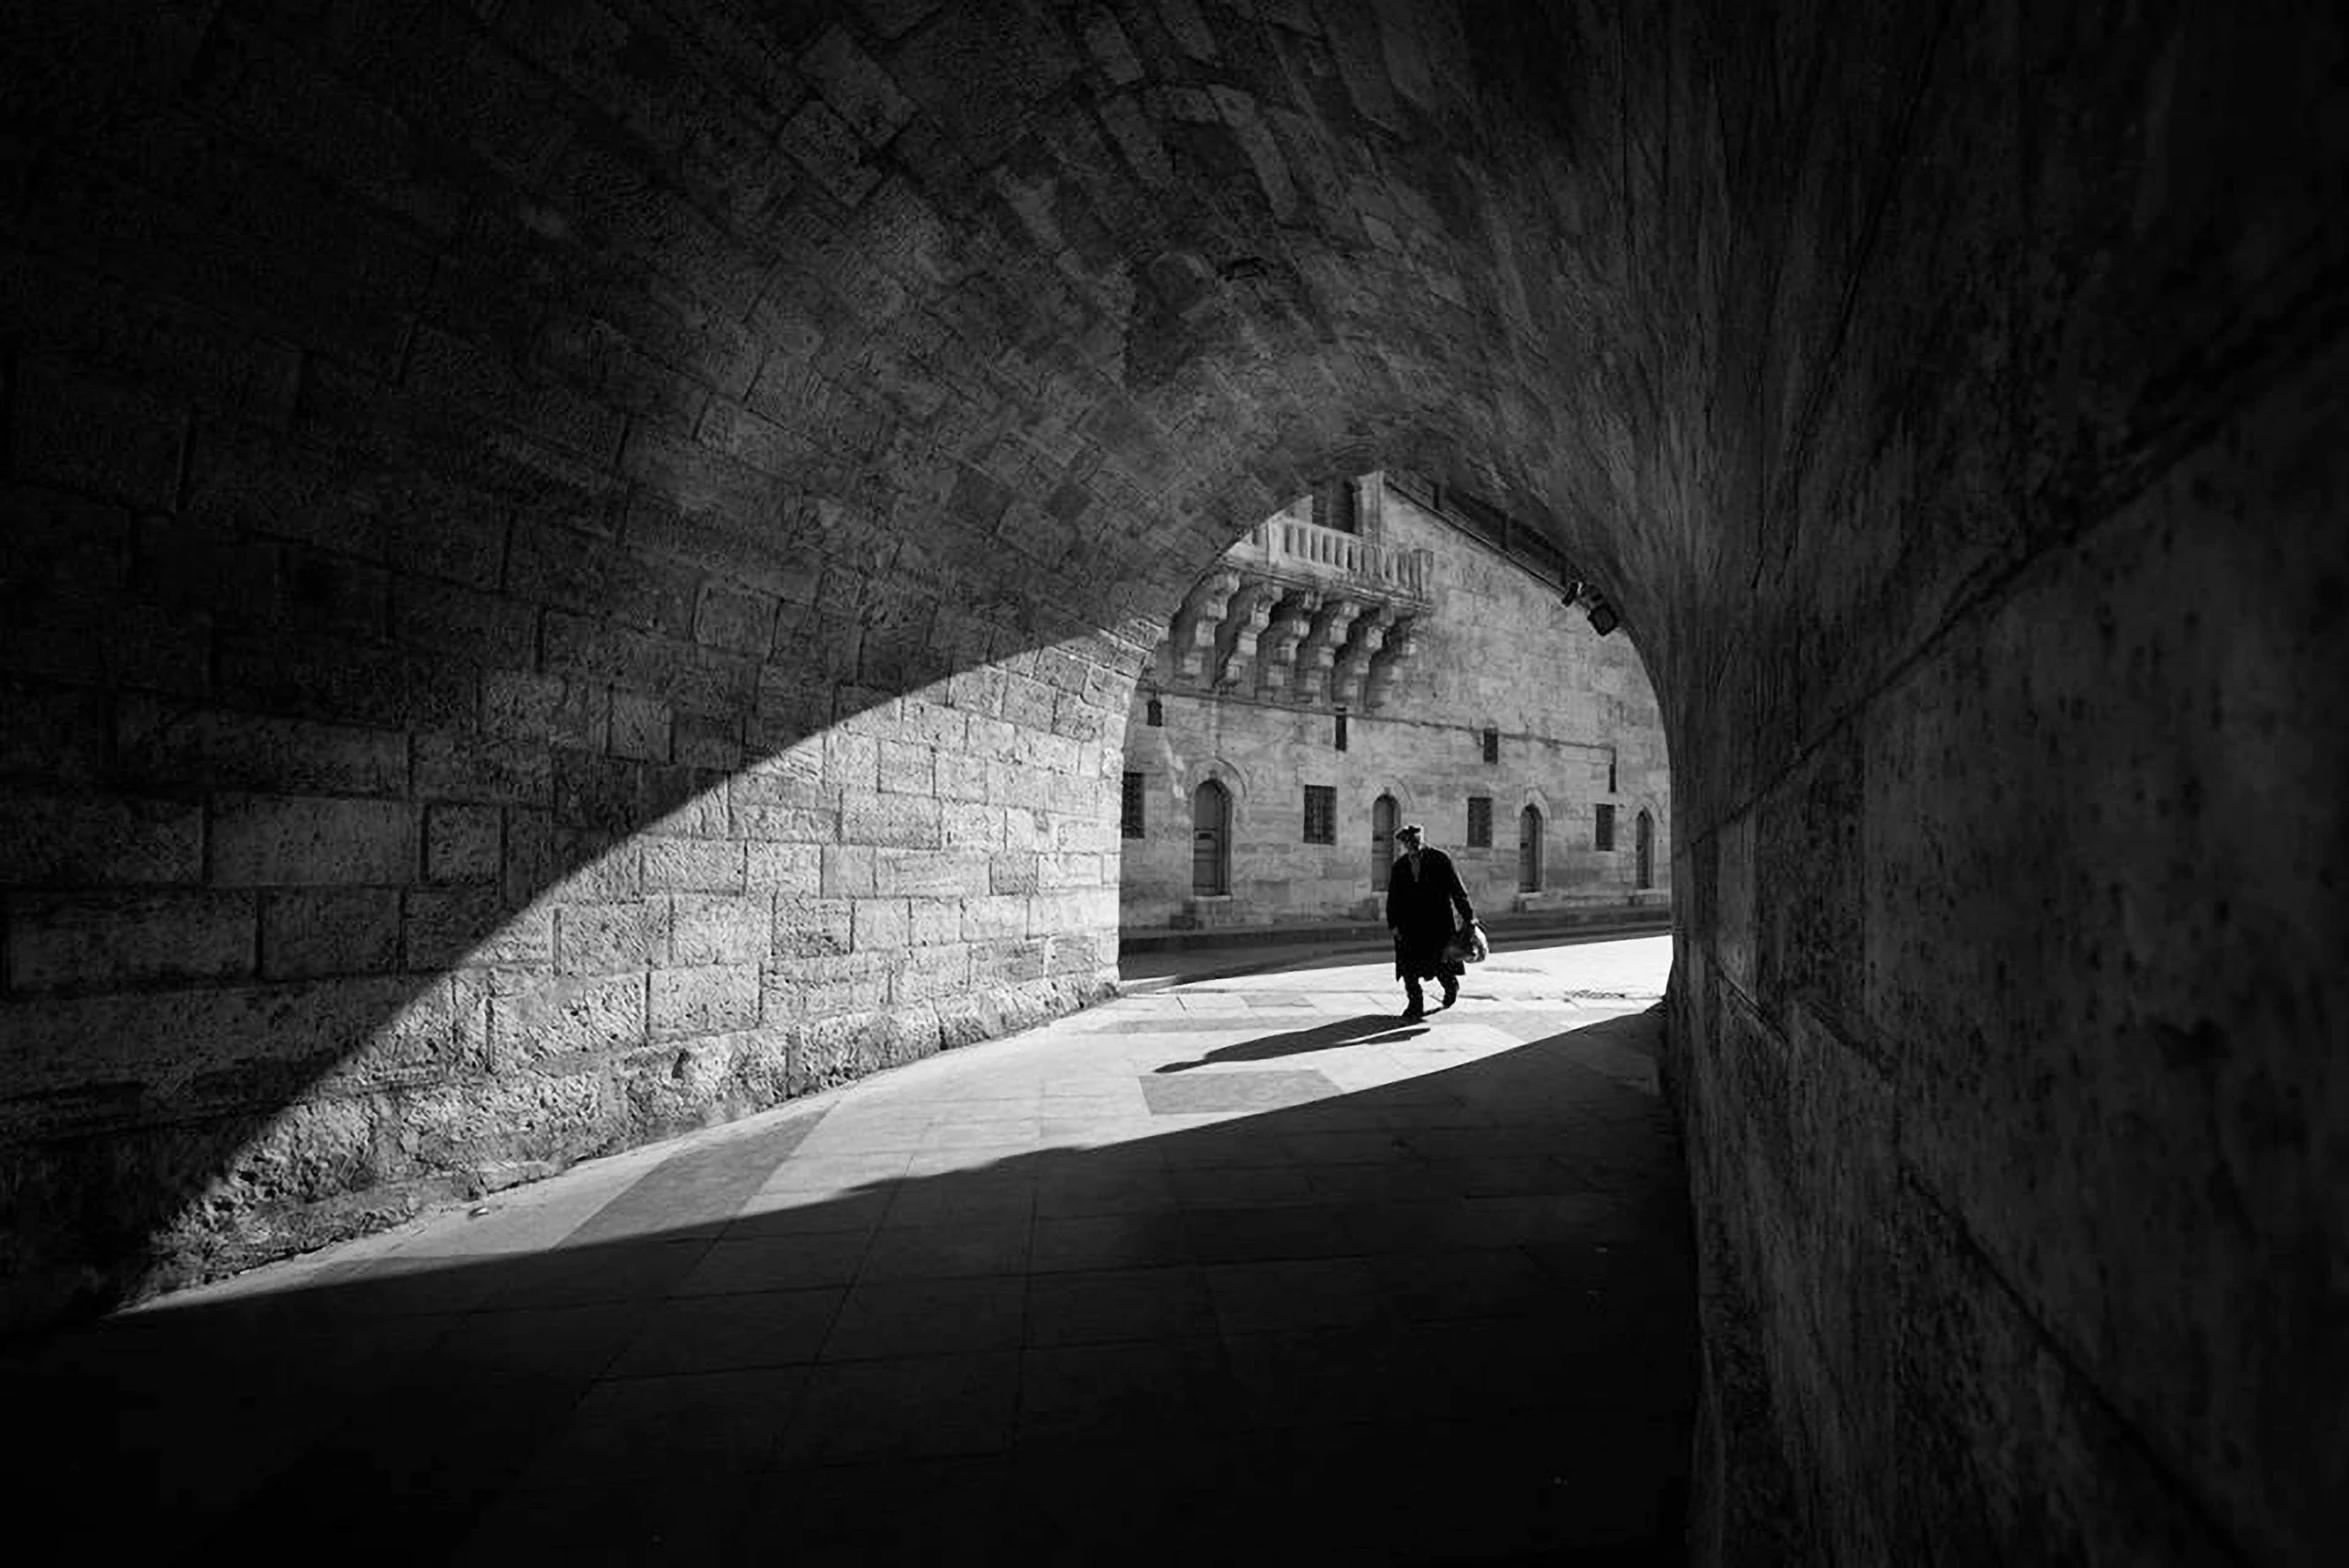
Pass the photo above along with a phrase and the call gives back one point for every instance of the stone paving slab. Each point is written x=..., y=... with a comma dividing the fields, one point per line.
x=1293, y=1282
x=1261, y=1090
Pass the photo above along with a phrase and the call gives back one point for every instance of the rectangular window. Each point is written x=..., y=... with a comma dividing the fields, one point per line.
x=1130, y=809
x=1603, y=830
x=1338, y=735
x=1321, y=814
x=1333, y=506
x=1480, y=822
x=1492, y=745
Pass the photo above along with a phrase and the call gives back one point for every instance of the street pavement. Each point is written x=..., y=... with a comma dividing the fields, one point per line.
x=1237, y=1268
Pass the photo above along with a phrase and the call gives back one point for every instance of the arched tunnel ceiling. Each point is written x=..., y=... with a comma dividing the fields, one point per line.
x=377, y=375
x=1160, y=270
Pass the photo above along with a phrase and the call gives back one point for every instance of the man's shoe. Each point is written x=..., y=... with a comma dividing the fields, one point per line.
x=1451, y=995
x=1412, y=1015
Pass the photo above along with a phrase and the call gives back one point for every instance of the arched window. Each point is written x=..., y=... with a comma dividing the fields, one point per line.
x=1211, y=841
x=1155, y=714
x=1529, y=850
x=1644, y=840
x=1382, y=841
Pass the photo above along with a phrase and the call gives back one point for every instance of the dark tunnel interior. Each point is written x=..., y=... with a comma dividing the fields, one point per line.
x=524, y=518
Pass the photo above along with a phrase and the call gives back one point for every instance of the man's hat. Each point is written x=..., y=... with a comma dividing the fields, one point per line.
x=1409, y=830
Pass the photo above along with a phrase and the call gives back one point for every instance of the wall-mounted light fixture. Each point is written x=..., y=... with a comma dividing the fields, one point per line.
x=1582, y=596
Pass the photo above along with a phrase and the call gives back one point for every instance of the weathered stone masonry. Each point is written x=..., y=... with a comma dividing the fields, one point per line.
x=1447, y=637
x=438, y=746
x=573, y=567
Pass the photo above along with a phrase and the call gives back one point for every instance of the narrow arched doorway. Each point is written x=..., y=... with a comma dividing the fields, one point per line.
x=1529, y=850
x=1644, y=839
x=1211, y=841
x=1382, y=841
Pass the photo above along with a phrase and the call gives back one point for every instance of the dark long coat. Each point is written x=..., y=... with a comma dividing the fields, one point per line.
x=1420, y=909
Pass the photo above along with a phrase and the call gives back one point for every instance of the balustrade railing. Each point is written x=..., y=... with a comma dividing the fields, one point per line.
x=1330, y=552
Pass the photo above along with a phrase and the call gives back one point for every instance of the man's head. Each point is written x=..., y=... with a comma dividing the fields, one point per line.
x=1410, y=837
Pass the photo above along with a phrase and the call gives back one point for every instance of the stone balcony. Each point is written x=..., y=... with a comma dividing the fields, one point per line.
x=1301, y=614
x=1289, y=548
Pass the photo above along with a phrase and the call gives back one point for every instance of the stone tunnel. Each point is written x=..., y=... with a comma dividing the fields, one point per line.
x=575, y=570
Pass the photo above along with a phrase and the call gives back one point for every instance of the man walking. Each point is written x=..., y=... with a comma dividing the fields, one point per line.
x=1423, y=892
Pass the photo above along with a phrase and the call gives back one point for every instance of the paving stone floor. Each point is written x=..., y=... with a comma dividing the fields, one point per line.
x=1239, y=1270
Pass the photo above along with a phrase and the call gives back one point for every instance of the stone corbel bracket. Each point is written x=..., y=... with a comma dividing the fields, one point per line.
x=1352, y=672
x=1320, y=649
x=1243, y=625
x=1400, y=647
x=1292, y=618
x=1203, y=609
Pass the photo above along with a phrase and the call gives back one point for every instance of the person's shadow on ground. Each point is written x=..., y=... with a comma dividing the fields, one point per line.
x=1368, y=1029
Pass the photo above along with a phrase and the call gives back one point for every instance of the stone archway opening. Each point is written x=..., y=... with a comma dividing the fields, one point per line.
x=620, y=665
x=1381, y=637
x=565, y=582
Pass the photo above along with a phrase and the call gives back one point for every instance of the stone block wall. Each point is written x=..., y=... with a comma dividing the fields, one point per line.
x=459, y=713
x=292, y=947
x=2009, y=896
x=422, y=415
x=1266, y=756
x=1496, y=650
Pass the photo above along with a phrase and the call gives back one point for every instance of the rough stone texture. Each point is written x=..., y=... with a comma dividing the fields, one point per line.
x=1491, y=647
x=628, y=419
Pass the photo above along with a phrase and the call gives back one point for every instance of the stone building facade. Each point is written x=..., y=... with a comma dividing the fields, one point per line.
x=514, y=532
x=1362, y=659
